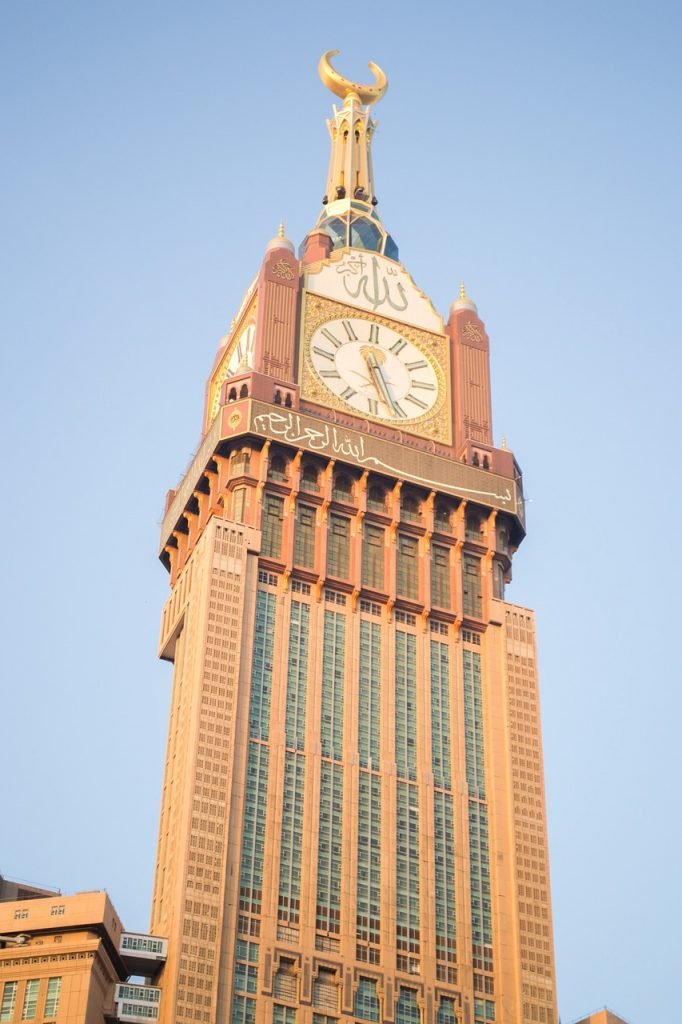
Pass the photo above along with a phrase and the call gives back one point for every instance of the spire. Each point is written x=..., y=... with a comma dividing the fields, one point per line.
x=280, y=241
x=463, y=302
x=349, y=215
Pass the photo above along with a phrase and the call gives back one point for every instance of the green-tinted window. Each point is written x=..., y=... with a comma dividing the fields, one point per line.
x=338, y=545
x=239, y=504
x=407, y=1009
x=368, y=906
x=333, y=671
x=473, y=724
x=9, y=998
x=297, y=674
x=369, y=708
x=292, y=838
x=304, y=537
x=406, y=705
x=283, y=1014
x=373, y=557
x=54, y=987
x=243, y=1010
x=440, y=576
x=407, y=867
x=408, y=566
x=444, y=880
x=471, y=585
x=329, y=848
x=273, y=514
x=441, y=754
x=366, y=1000
x=261, y=672
x=446, y=1012
x=30, y=999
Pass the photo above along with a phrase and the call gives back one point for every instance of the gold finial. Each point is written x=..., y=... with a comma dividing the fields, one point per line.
x=280, y=233
x=463, y=291
x=503, y=443
x=346, y=89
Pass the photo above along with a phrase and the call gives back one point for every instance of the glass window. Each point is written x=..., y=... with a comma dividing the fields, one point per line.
x=304, y=538
x=30, y=999
x=366, y=1000
x=239, y=504
x=376, y=498
x=408, y=566
x=9, y=998
x=273, y=515
x=373, y=557
x=338, y=545
x=440, y=576
x=54, y=987
x=471, y=585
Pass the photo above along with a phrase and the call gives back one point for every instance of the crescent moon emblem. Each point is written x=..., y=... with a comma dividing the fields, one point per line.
x=343, y=87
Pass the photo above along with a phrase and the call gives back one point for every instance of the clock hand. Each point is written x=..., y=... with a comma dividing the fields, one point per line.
x=378, y=379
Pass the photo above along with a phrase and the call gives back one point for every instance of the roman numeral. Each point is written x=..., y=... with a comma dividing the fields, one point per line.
x=423, y=385
x=374, y=334
x=348, y=328
x=330, y=337
x=348, y=393
x=330, y=373
x=419, y=365
x=323, y=352
x=416, y=401
x=398, y=346
x=373, y=407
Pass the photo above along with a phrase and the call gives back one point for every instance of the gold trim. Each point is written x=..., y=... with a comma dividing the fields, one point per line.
x=434, y=424
x=221, y=372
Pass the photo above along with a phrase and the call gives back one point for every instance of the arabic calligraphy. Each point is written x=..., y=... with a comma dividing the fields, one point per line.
x=330, y=439
x=373, y=285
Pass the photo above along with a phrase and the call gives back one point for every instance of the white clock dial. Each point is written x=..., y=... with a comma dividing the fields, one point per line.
x=374, y=369
x=241, y=357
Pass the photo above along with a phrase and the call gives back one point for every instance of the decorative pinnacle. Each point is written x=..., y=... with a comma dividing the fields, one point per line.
x=503, y=443
x=463, y=291
x=280, y=233
x=345, y=89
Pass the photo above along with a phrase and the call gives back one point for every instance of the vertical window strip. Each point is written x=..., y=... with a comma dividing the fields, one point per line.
x=283, y=1014
x=368, y=907
x=441, y=754
x=369, y=684
x=297, y=674
x=261, y=675
x=333, y=670
x=408, y=566
x=243, y=1010
x=473, y=724
x=304, y=537
x=253, y=835
x=446, y=926
x=366, y=1000
x=292, y=838
x=9, y=998
x=407, y=1008
x=54, y=987
x=406, y=705
x=407, y=867
x=479, y=855
x=471, y=585
x=446, y=1012
x=338, y=545
x=30, y=999
x=373, y=557
x=329, y=849
x=273, y=514
x=440, y=576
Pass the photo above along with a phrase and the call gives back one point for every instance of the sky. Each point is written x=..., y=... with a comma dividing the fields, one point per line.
x=531, y=150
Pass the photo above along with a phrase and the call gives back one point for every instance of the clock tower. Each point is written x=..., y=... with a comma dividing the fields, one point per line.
x=353, y=819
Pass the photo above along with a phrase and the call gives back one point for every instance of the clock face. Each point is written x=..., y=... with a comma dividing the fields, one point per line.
x=374, y=369
x=241, y=357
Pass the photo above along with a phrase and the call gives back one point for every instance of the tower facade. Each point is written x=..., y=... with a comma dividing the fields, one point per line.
x=353, y=814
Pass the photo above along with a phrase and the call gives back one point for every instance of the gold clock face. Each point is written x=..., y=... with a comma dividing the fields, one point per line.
x=375, y=370
x=241, y=357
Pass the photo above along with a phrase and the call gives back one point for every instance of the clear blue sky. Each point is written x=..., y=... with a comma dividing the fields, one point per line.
x=532, y=149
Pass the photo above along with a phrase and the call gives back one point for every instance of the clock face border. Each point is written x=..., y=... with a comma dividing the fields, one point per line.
x=223, y=371
x=434, y=424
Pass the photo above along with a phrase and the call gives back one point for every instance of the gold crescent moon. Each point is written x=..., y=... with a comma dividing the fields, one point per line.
x=342, y=87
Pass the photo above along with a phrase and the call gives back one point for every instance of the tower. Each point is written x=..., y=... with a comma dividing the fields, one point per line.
x=352, y=820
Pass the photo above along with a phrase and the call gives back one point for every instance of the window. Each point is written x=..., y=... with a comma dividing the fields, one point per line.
x=9, y=998
x=498, y=581
x=309, y=478
x=471, y=585
x=474, y=527
x=304, y=542
x=277, y=470
x=338, y=546
x=408, y=571
x=407, y=1009
x=366, y=1001
x=442, y=516
x=343, y=490
x=273, y=514
x=242, y=462
x=376, y=498
x=326, y=990
x=239, y=504
x=285, y=984
x=410, y=507
x=54, y=987
x=440, y=576
x=283, y=1014
x=30, y=999
x=373, y=557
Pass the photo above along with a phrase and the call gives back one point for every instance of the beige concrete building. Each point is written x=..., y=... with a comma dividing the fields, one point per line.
x=67, y=960
x=353, y=810
x=603, y=1016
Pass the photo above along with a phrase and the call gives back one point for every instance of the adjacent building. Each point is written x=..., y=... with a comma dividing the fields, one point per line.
x=353, y=810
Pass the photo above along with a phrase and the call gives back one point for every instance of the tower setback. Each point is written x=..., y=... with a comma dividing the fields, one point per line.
x=353, y=812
